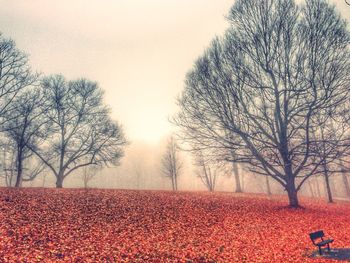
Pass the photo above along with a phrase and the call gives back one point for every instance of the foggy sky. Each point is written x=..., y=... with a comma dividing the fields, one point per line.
x=138, y=51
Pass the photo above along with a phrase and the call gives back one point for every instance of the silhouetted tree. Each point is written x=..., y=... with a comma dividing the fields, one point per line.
x=268, y=187
x=30, y=166
x=23, y=127
x=310, y=188
x=8, y=162
x=79, y=130
x=331, y=133
x=344, y=175
x=317, y=187
x=88, y=173
x=264, y=83
x=171, y=163
x=206, y=172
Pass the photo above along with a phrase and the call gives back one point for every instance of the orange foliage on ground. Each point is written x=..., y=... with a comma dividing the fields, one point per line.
x=69, y=225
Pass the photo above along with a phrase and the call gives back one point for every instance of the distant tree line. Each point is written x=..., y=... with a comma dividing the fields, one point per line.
x=50, y=124
x=272, y=93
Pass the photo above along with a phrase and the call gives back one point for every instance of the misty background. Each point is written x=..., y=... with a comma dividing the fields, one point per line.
x=139, y=52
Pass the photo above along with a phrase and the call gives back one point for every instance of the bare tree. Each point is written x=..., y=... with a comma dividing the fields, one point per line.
x=206, y=172
x=44, y=176
x=268, y=187
x=264, y=82
x=30, y=167
x=15, y=75
x=88, y=173
x=344, y=175
x=171, y=163
x=317, y=187
x=331, y=133
x=138, y=170
x=23, y=127
x=8, y=162
x=79, y=130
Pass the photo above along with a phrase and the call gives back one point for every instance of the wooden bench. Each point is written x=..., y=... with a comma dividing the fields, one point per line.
x=320, y=235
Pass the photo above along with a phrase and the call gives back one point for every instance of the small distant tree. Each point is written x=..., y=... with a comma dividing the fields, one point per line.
x=78, y=128
x=344, y=174
x=138, y=170
x=268, y=186
x=312, y=187
x=43, y=180
x=88, y=173
x=206, y=172
x=171, y=163
x=8, y=162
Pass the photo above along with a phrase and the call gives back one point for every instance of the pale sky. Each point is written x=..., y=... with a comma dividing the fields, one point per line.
x=137, y=50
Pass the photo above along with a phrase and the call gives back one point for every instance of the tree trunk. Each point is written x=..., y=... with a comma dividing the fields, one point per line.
x=345, y=179
x=318, y=187
x=19, y=168
x=242, y=181
x=310, y=188
x=19, y=178
x=346, y=182
x=138, y=180
x=175, y=182
x=268, y=188
x=328, y=187
x=236, y=173
x=293, y=198
x=85, y=183
x=59, y=181
x=292, y=193
x=44, y=180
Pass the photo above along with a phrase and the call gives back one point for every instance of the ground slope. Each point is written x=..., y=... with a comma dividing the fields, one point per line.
x=70, y=225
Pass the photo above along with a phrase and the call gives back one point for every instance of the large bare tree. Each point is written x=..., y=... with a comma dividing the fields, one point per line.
x=264, y=82
x=79, y=130
x=171, y=162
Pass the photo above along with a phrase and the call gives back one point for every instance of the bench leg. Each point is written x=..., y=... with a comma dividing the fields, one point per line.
x=319, y=250
x=329, y=249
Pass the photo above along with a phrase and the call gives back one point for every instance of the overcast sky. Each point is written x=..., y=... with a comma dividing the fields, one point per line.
x=137, y=50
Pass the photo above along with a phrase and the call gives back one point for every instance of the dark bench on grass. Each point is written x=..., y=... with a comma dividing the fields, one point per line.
x=321, y=243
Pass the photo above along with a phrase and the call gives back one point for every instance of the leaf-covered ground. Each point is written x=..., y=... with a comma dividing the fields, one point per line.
x=70, y=225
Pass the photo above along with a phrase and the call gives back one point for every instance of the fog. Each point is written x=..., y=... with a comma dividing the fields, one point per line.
x=139, y=53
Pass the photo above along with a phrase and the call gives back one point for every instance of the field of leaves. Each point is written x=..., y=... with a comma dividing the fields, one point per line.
x=70, y=225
